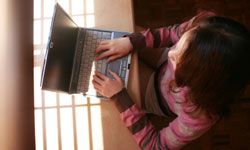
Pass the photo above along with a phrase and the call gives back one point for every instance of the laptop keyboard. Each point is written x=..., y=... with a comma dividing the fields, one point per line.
x=92, y=38
x=88, y=63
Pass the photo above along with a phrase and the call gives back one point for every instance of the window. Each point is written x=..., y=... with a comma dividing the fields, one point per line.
x=63, y=121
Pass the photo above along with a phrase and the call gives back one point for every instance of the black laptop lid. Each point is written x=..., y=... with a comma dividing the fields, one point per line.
x=59, y=57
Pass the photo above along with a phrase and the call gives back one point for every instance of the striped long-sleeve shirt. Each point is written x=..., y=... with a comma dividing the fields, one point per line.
x=186, y=126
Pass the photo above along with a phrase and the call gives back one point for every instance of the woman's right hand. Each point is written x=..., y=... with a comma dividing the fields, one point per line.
x=114, y=49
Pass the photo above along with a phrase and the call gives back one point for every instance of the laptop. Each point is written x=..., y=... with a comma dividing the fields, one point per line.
x=69, y=62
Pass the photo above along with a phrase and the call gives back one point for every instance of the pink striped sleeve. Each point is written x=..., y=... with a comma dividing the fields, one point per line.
x=186, y=128
x=180, y=131
x=130, y=119
x=165, y=36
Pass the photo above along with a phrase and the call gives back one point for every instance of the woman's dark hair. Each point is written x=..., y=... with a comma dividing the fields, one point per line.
x=216, y=64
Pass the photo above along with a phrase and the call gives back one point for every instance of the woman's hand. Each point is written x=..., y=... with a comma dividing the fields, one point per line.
x=107, y=86
x=113, y=49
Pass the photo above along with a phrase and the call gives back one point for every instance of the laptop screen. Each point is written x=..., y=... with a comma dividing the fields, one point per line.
x=59, y=57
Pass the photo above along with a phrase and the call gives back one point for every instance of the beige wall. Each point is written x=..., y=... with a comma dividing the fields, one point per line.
x=16, y=75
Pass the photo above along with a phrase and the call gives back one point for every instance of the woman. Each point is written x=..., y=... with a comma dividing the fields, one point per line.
x=204, y=69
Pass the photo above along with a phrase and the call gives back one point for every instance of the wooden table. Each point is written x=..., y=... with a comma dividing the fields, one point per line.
x=117, y=15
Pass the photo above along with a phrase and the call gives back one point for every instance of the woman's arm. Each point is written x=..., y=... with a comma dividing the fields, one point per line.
x=151, y=38
x=157, y=38
x=180, y=131
x=165, y=36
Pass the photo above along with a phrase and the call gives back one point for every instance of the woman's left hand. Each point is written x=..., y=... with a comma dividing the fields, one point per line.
x=107, y=86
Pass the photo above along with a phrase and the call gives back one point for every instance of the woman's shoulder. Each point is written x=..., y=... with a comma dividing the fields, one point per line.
x=201, y=15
